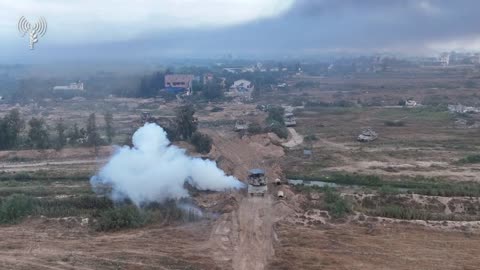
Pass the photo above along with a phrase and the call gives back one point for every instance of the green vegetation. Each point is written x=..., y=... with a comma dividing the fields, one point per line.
x=401, y=212
x=202, y=142
x=10, y=128
x=310, y=138
x=333, y=202
x=336, y=205
x=275, y=114
x=108, y=217
x=185, y=121
x=213, y=91
x=61, y=137
x=394, y=123
x=85, y=205
x=109, y=130
x=275, y=122
x=254, y=128
x=409, y=213
x=129, y=216
x=38, y=133
x=15, y=207
x=43, y=175
x=470, y=159
x=418, y=185
x=150, y=85
x=93, y=138
x=122, y=217
x=279, y=129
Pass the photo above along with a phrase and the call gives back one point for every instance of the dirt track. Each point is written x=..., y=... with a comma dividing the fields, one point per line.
x=295, y=140
x=243, y=239
x=256, y=232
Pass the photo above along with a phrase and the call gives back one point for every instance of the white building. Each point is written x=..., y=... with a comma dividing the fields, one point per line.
x=241, y=88
x=242, y=85
x=73, y=86
x=410, y=103
x=445, y=59
x=463, y=109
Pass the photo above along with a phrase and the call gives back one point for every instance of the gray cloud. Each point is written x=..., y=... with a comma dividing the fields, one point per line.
x=411, y=22
x=309, y=27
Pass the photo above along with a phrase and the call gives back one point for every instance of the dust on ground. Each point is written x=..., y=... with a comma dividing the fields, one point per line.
x=295, y=139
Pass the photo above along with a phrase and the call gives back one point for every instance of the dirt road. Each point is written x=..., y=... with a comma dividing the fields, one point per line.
x=254, y=246
x=32, y=166
x=296, y=139
x=242, y=239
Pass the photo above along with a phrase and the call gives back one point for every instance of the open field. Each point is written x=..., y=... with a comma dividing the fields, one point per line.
x=408, y=200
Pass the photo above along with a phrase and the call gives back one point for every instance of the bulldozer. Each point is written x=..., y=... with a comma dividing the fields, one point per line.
x=257, y=182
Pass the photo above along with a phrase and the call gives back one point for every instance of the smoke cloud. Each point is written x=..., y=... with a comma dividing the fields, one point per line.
x=154, y=171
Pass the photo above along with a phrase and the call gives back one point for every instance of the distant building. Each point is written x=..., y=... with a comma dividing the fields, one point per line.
x=242, y=85
x=178, y=83
x=445, y=59
x=208, y=78
x=232, y=70
x=410, y=103
x=463, y=109
x=241, y=88
x=73, y=86
x=240, y=70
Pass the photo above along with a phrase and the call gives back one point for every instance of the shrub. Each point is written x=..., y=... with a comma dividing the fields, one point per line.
x=311, y=138
x=15, y=207
x=202, y=142
x=279, y=129
x=418, y=185
x=339, y=208
x=275, y=114
x=254, y=128
x=217, y=109
x=336, y=205
x=471, y=159
x=72, y=206
x=122, y=217
x=394, y=123
x=400, y=212
x=387, y=190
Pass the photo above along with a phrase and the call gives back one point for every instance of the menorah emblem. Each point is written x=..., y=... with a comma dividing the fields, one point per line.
x=37, y=30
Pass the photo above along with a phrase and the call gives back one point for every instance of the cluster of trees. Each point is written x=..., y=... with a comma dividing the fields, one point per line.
x=10, y=127
x=150, y=85
x=212, y=90
x=185, y=128
x=38, y=135
x=275, y=122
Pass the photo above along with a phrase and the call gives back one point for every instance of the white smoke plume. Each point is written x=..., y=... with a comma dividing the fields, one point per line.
x=154, y=171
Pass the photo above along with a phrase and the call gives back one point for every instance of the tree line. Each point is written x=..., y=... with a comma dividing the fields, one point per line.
x=16, y=133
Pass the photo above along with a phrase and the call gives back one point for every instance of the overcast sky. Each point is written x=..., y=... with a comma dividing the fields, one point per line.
x=111, y=29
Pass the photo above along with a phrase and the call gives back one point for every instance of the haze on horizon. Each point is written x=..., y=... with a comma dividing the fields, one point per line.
x=83, y=30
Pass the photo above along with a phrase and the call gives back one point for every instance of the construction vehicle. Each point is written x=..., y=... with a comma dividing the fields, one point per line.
x=257, y=182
